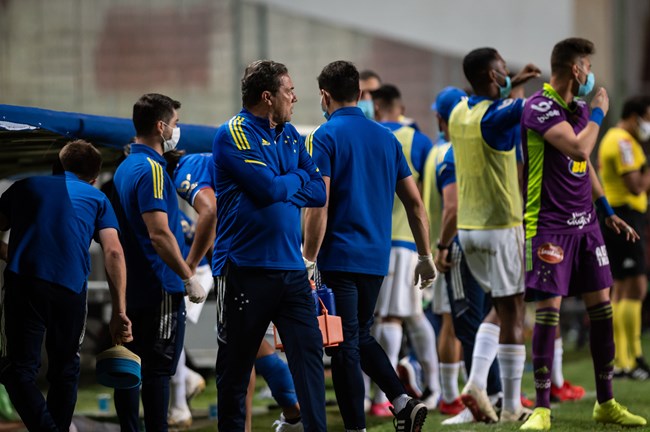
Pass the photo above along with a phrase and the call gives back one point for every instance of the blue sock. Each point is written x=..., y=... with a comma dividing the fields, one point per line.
x=277, y=376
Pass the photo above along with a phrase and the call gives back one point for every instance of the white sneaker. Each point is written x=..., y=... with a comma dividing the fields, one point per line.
x=465, y=416
x=179, y=417
x=520, y=416
x=431, y=400
x=194, y=384
x=479, y=404
x=281, y=425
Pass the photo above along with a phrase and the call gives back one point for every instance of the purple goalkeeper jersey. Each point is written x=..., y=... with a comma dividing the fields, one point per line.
x=557, y=189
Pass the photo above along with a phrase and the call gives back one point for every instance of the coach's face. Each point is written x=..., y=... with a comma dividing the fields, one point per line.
x=282, y=101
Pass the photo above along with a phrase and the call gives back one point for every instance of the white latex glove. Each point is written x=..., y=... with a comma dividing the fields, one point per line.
x=195, y=292
x=310, y=266
x=425, y=271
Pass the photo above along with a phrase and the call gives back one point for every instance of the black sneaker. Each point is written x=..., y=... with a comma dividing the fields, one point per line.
x=411, y=418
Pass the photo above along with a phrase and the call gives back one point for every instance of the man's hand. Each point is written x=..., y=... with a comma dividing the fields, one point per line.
x=195, y=292
x=441, y=260
x=619, y=226
x=529, y=72
x=425, y=271
x=120, y=328
x=310, y=266
x=601, y=100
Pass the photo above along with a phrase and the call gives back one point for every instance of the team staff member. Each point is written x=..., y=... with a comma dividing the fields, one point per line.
x=363, y=166
x=565, y=251
x=626, y=180
x=157, y=275
x=264, y=177
x=53, y=220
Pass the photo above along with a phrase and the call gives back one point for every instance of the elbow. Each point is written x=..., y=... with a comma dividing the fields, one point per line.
x=114, y=255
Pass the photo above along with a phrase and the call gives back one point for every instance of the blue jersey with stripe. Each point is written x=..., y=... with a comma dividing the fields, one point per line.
x=364, y=161
x=53, y=220
x=500, y=124
x=142, y=185
x=193, y=173
x=264, y=176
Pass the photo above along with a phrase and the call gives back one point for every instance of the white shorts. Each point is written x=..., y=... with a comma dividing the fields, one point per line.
x=398, y=297
x=440, y=303
x=496, y=259
x=204, y=275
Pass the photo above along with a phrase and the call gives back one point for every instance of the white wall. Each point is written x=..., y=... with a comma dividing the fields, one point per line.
x=522, y=30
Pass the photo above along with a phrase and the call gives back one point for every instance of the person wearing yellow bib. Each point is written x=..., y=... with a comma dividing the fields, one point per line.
x=484, y=133
x=626, y=180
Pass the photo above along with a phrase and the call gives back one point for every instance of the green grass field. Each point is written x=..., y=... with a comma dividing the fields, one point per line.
x=570, y=416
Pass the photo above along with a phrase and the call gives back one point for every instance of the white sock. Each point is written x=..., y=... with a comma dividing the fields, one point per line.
x=399, y=403
x=463, y=372
x=449, y=381
x=486, y=346
x=423, y=340
x=511, y=364
x=557, y=377
x=177, y=385
x=389, y=336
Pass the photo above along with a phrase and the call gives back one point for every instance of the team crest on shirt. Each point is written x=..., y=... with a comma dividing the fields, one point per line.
x=577, y=169
x=550, y=253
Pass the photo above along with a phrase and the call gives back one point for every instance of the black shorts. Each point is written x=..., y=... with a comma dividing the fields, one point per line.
x=626, y=259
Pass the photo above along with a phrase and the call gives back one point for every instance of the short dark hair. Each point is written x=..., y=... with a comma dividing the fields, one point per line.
x=635, y=105
x=82, y=159
x=261, y=76
x=567, y=51
x=367, y=74
x=150, y=109
x=477, y=64
x=386, y=95
x=341, y=80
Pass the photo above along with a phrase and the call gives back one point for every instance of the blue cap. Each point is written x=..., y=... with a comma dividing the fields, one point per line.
x=447, y=100
x=118, y=368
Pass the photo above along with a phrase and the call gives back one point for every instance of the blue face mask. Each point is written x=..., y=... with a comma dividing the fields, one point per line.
x=368, y=108
x=504, y=92
x=324, y=109
x=588, y=86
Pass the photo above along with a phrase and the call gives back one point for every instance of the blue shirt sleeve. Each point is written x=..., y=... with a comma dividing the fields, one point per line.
x=243, y=160
x=192, y=175
x=446, y=171
x=422, y=145
x=499, y=124
x=105, y=217
x=321, y=147
x=313, y=194
x=150, y=188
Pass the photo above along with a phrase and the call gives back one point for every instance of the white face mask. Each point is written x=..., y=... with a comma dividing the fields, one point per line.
x=643, y=132
x=171, y=143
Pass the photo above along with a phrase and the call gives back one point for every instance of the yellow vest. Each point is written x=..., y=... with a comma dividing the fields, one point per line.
x=619, y=153
x=487, y=180
x=430, y=195
x=401, y=230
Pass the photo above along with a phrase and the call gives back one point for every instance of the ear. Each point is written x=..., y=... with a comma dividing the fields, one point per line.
x=93, y=181
x=266, y=97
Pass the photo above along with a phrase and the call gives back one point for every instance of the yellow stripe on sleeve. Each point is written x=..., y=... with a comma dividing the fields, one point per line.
x=235, y=137
x=244, y=141
x=156, y=173
x=253, y=161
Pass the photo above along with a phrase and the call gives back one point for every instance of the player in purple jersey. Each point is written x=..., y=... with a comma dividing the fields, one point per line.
x=565, y=252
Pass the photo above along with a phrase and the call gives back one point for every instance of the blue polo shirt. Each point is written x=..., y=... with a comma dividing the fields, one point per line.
x=193, y=173
x=142, y=185
x=364, y=161
x=264, y=176
x=53, y=220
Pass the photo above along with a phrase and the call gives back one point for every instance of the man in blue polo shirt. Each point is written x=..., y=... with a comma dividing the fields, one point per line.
x=264, y=177
x=157, y=274
x=363, y=167
x=53, y=220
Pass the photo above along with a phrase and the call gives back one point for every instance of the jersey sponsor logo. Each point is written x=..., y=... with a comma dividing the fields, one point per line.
x=627, y=154
x=548, y=115
x=550, y=253
x=542, y=106
x=505, y=104
x=577, y=169
x=187, y=187
x=601, y=256
x=579, y=219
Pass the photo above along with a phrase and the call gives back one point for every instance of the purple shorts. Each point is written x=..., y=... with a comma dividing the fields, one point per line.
x=566, y=264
